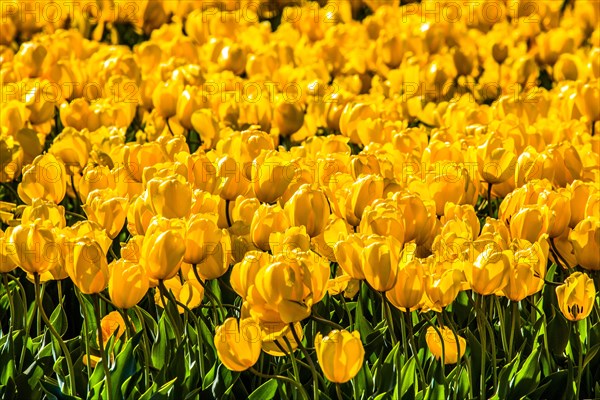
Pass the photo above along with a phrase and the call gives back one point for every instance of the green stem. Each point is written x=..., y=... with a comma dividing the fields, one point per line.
x=105, y=359
x=63, y=346
x=292, y=359
x=200, y=354
x=145, y=347
x=165, y=293
x=292, y=382
x=11, y=306
x=308, y=360
x=343, y=300
x=338, y=391
x=482, y=334
x=86, y=343
x=390, y=320
x=317, y=318
x=514, y=317
x=580, y=360
x=413, y=344
x=213, y=299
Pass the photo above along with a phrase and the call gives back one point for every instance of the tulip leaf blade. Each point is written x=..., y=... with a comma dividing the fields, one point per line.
x=266, y=391
x=528, y=377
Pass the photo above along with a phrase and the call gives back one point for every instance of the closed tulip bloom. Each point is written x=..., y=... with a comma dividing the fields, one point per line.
x=466, y=213
x=288, y=117
x=418, y=219
x=276, y=337
x=451, y=183
x=108, y=209
x=87, y=265
x=271, y=175
x=202, y=237
x=380, y=262
x=163, y=248
x=73, y=148
x=112, y=324
x=45, y=210
x=452, y=350
x=7, y=263
x=526, y=277
x=139, y=215
x=490, y=271
x=340, y=354
x=407, y=294
x=531, y=222
x=243, y=274
x=308, y=207
x=238, y=344
x=363, y=192
x=576, y=297
x=94, y=177
x=286, y=286
x=164, y=98
x=170, y=197
x=348, y=255
x=267, y=220
x=442, y=289
x=383, y=218
x=217, y=261
x=233, y=181
x=127, y=284
x=585, y=238
x=45, y=178
x=580, y=192
x=190, y=100
x=190, y=293
x=137, y=157
x=33, y=247
x=533, y=165
x=559, y=204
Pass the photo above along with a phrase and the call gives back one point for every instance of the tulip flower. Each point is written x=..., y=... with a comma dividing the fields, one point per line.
x=409, y=289
x=576, y=297
x=45, y=178
x=127, y=284
x=363, y=192
x=87, y=266
x=45, y=210
x=94, y=176
x=348, y=255
x=379, y=261
x=244, y=273
x=108, y=209
x=163, y=248
x=7, y=263
x=271, y=175
x=238, y=344
x=489, y=273
x=585, y=238
x=452, y=350
x=308, y=207
x=201, y=239
x=267, y=220
x=33, y=247
x=73, y=148
x=170, y=197
x=340, y=354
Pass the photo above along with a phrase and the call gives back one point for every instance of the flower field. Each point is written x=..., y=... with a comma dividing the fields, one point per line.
x=293, y=199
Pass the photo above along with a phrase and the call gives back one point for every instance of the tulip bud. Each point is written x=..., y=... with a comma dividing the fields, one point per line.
x=452, y=350
x=308, y=207
x=238, y=344
x=170, y=197
x=271, y=175
x=127, y=284
x=379, y=261
x=217, y=262
x=531, y=222
x=340, y=354
x=45, y=178
x=163, y=248
x=165, y=98
x=87, y=265
x=33, y=247
x=407, y=294
x=244, y=273
x=585, y=238
x=105, y=207
x=191, y=99
x=288, y=118
x=576, y=297
x=442, y=289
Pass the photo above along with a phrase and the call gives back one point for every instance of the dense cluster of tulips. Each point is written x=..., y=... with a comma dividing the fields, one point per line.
x=292, y=199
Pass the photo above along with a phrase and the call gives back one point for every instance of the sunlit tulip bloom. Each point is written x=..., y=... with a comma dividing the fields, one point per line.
x=170, y=197
x=163, y=248
x=94, y=177
x=112, y=324
x=238, y=344
x=451, y=349
x=559, y=204
x=348, y=255
x=201, y=170
x=580, y=193
x=217, y=261
x=531, y=222
x=533, y=165
x=45, y=178
x=271, y=175
x=383, y=218
x=466, y=213
x=489, y=273
x=33, y=247
x=267, y=220
x=294, y=237
x=379, y=261
x=244, y=273
x=165, y=98
x=190, y=100
x=108, y=209
x=127, y=284
x=87, y=266
x=139, y=215
x=409, y=289
x=585, y=238
x=576, y=297
x=136, y=157
x=189, y=293
x=288, y=117
x=73, y=148
x=419, y=219
x=363, y=192
x=233, y=181
x=276, y=337
x=441, y=289
x=450, y=183
x=526, y=277
x=308, y=207
x=45, y=210
x=202, y=237
x=340, y=354
x=7, y=263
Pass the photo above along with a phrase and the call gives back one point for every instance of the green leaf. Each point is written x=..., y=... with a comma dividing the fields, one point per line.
x=591, y=354
x=266, y=391
x=558, y=334
x=408, y=379
x=528, y=377
x=59, y=320
x=507, y=373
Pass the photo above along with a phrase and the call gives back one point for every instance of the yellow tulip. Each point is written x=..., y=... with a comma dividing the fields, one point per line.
x=7, y=263
x=308, y=207
x=33, y=247
x=363, y=192
x=87, y=266
x=201, y=239
x=163, y=248
x=409, y=289
x=489, y=273
x=170, y=197
x=238, y=344
x=267, y=220
x=45, y=178
x=340, y=354
x=94, y=176
x=348, y=255
x=271, y=175
x=585, y=238
x=452, y=350
x=127, y=284
x=379, y=261
x=576, y=297
x=108, y=209
x=243, y=274
x=73, y=148
x=45, y=210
